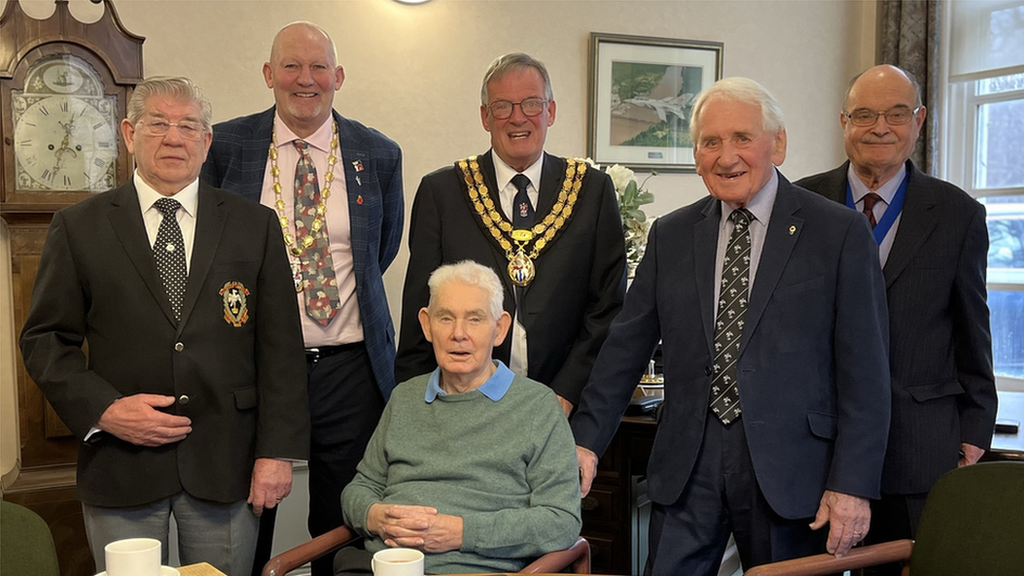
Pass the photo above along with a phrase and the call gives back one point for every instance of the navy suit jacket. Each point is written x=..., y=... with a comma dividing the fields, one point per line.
x=237, y=162
x=578, y=289
x=813, y=377
x=940, y=357
x=242, y=386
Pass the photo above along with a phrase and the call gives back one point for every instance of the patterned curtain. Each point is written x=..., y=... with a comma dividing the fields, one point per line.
x=910, y=40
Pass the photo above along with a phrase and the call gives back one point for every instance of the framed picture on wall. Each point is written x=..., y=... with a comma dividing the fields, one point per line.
x=641, y=93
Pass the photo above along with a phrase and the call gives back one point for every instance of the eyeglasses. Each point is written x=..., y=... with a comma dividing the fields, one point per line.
x=187, y=129
x=502, y=109
x=893, y=116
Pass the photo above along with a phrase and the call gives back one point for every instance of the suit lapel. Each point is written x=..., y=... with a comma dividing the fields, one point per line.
x=552, y=175
x=210, y=217
x=491, y=181
x=126, y=219
x=355, y=161
x=254, y=153
x=705, y=246
x=783, y=233
x=916, y=223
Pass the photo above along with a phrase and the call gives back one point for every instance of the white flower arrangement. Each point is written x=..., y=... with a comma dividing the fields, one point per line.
x=635, y=223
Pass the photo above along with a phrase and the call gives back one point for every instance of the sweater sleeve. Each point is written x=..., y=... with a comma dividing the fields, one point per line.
x=551, y=521
x=367, y=488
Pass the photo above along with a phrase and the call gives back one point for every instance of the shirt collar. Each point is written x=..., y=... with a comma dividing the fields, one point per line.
x=188, y=196
x=321, y=139
x=762, y=203
x=494, y=388
x=887, y=191
x=503, y=173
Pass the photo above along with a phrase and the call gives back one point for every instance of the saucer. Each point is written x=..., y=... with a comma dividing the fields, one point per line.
x=164, y=571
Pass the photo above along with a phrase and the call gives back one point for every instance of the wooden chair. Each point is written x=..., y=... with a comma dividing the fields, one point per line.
x=576, y=556
x=973, y=523
x=27, y=545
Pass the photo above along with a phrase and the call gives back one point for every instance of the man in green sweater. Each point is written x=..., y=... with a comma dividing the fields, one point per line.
x=471, y=464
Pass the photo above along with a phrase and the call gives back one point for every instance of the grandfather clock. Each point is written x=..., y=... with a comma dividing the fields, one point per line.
x=64, y=86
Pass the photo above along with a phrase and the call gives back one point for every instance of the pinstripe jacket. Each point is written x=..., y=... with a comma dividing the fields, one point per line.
x=237, y=162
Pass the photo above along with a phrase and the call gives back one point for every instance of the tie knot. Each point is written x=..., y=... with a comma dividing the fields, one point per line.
x=167, y=206
x=300, y=145
x=741, y=217
x=520, y=181
x=870, y=199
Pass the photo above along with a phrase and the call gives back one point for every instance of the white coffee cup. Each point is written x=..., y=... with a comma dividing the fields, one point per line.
x=397, y=562
x=133, y=557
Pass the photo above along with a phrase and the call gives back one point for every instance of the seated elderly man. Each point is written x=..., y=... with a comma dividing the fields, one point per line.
x=471, y=464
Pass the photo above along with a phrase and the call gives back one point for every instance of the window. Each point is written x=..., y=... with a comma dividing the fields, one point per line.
x=984, y=154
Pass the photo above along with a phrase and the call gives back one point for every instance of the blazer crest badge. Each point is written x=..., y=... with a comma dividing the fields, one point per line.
x=236, y=312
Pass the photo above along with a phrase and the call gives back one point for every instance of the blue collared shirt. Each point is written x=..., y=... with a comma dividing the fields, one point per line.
x=494, y=388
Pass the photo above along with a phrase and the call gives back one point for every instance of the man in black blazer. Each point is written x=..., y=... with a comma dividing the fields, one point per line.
x=572, y=259
x=771, y=314
x=350, y=357
x=933, y=255
x=192, y=398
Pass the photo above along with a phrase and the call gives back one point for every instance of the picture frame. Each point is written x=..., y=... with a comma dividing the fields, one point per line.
x=641, y=92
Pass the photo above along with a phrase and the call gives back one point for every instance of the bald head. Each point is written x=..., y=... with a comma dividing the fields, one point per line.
x=303, y=32
x=885, y=73
x=303, y=71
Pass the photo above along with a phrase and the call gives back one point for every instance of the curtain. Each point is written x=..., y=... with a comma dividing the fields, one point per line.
x=910, y=40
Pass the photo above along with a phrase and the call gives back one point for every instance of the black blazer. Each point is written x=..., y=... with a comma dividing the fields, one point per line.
x=940, y=357
x=246, y=385
x=577, y=291
x=813, y=374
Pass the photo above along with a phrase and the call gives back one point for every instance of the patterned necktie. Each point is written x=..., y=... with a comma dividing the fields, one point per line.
x=732, y=304
x=522, y=218
x=169, y=253
x=319, y=285
x=869, y=206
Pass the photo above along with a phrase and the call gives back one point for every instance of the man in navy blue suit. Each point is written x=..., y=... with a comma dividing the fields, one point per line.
x=337, y=188
x=771, y=308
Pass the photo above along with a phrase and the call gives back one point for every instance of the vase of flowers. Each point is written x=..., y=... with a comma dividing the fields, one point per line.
x=635, y=223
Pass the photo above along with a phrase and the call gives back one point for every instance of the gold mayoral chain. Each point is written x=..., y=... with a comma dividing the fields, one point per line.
x=321, y=208
x=521, y=256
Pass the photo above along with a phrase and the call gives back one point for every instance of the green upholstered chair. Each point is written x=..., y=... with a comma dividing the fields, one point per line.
x=973, y=523
x=26, y=545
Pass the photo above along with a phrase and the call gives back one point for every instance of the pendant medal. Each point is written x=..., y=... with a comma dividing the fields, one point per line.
x=521, y=269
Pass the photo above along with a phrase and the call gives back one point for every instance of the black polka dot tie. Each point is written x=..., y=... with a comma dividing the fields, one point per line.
x=169, y=252
x=732, y=305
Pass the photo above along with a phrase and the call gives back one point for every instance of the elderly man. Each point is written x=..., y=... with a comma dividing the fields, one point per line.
x=515, y=495
x=548, y=226
x=337, y=188
x=192, y=398
x=932, y=243
x=772, y=315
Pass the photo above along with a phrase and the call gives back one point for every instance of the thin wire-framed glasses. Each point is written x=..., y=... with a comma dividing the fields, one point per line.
x=893, y=116
x=502, y=109
x=187, y=129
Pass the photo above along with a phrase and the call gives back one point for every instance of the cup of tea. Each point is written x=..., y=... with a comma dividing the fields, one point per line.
x=133, y=557
x=397, y=562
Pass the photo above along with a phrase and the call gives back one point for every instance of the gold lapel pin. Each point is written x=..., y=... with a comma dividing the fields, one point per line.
x=792, y=230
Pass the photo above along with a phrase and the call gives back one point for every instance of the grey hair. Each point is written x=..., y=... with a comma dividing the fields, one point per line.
x=470, y=273
x=742, y=90
x=910, y=78
x=311, y=27
x=514, y=62
x=177, y=87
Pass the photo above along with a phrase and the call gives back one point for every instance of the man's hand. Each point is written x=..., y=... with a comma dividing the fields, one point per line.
x=971, y=454
x=419, y=527
x=566, y=405
x=588, y=468
x=848, y=517
x=271, y=482
x=135, y=419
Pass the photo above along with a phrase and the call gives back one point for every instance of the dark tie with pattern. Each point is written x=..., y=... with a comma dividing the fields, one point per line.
x=732, y=304
x=319, y=285
x=869, y=207
x=522, y=218
x=169, y=252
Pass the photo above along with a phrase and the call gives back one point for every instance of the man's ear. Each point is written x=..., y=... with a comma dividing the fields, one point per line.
x=504, y=323
x=424, y=317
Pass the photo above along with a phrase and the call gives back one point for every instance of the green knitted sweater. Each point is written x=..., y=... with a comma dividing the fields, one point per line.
x=508, y=468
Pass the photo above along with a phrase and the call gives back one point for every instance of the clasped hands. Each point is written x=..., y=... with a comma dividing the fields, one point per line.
x=420, y=527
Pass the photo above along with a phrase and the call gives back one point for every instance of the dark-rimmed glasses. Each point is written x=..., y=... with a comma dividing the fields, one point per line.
x=893, y=116
x=502, y=109
x=187, y=129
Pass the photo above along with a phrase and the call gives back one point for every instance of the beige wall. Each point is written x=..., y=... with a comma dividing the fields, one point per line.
x=414, y=71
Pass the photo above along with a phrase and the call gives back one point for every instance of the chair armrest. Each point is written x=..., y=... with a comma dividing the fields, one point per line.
x=323, y=544
x=897, y=551
x=577, y=556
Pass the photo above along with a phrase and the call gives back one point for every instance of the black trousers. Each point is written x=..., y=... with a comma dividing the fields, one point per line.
x=345, y=406
x=722, y=497
x=893, y=517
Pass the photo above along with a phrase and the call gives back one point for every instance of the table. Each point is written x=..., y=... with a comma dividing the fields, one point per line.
x=200, y=569
x=1008, y=446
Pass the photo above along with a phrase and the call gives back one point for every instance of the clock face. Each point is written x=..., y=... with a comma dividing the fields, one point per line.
x=65, y=143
